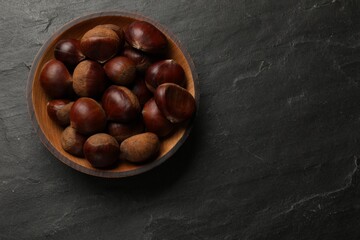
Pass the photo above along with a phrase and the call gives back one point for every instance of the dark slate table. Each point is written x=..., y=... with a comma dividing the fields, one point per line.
x=273, y=153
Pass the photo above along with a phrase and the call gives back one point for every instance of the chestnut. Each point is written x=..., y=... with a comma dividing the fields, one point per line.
x=175, y=102
x=68, y=51
x=122, y=131
x=72, y=142
x=89, y=79
x=59, y=111
x=55, y=79
x=141, y=91
x=155, y=121
x=140, y=148
x=87, y=116
x=120, y=104
x=120, y=70
x=141, y=60
x=100, y=44
x=145, y=37
x=101, y=150
x=118, y=30
x=165, y=71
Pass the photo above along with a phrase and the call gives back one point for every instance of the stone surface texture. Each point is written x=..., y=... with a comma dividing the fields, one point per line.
x=274, y=152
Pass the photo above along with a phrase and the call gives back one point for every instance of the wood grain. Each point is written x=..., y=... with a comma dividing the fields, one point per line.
x=50, y=133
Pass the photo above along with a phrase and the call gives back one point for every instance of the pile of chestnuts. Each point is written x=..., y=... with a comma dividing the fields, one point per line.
x=114, y=93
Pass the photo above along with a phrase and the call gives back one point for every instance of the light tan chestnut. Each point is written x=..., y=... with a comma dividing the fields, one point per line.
x=89, y=79
x=140, y=148
x=72, y=142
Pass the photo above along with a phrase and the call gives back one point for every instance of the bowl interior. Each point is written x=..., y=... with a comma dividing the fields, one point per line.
x=50, y=132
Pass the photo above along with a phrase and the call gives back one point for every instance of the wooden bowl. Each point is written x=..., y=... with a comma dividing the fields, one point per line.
x=50, y=132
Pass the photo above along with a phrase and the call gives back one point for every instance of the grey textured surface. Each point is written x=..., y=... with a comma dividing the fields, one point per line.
x=274, y=151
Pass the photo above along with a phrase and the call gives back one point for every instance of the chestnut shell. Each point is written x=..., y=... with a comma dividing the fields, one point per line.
x=141, y=91
x=175, y=102
x=89, y=79
x=118, y=30
x=155, y=121
x=59, y=111
x=140, y=148
x=87, y=116
x=165, y=71
x=100, y=44
x=101, y=150
x=55, y=79
x=145, y=37
x=141, y=60
x=68, y=51
x=120, y=70
x=122, y=131
x=120, y=104
x=72, y=142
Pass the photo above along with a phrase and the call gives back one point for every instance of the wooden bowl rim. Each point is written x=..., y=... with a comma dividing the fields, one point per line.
x=99, y=172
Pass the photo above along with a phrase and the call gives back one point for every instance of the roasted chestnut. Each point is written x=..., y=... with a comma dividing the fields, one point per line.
x=141, y=60
x=87, y=116
x=141, y=91
x=72, y=142
x=165, y=71
x=122, y=131
x=120, y=104
x=175, y=102
x=145, y=37
x=55, y=79
x=155, y=121
x=68, y=51
x=140, y=148
x=101, y=150
x=59, y=111
x=100, y=44
x=120, y=70
x=89, y=79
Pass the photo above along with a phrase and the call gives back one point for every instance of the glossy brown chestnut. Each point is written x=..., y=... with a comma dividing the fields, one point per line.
x=155, y=121
x=120, y=104
x=141, y=91
x=141, y=60
x=140, y=148
x=68, y=51
x=145, y=37
x=165, y=71
x=100, y=44
x=55, y=79
x=120, y=70
x=175, y=102
x=87, y=116
x=72, y=142
x=101, y=150
x=59, y=111
x=122, y=131
x=89, y=79
x=118, y=30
